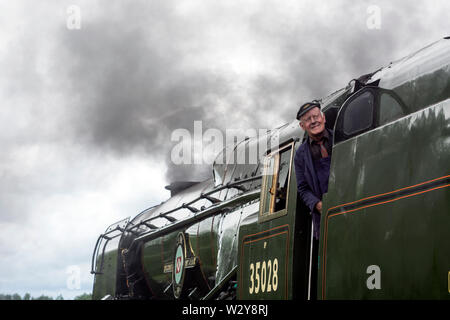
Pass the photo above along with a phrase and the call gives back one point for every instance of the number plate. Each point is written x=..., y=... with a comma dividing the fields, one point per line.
x=264, y=264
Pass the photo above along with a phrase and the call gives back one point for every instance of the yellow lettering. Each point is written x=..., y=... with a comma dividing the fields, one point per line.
x=265, y=274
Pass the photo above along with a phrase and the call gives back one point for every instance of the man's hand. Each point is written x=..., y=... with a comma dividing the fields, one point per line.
x=319, y=206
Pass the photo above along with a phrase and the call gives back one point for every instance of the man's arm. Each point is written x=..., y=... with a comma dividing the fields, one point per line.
x=303, y=188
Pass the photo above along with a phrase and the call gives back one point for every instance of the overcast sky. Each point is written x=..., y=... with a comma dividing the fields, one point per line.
x=87, y=113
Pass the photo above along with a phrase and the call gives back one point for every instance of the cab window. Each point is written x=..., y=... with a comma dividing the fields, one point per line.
x=367, y=109
x=358, y=116
x=275, y=182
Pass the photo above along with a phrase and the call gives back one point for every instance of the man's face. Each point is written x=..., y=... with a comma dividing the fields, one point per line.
x=313, y=122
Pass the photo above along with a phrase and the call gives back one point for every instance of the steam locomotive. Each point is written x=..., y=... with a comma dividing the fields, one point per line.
x=244, y=233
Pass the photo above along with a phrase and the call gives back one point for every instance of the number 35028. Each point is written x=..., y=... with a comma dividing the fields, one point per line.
x=263, y=276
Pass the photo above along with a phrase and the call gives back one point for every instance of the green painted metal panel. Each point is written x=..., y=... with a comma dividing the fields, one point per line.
x=206, y=248
x=388, y=206
x=266, y=249
x=105, y=283
x=264, y=261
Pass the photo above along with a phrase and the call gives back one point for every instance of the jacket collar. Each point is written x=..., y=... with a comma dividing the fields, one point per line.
x=327, y=134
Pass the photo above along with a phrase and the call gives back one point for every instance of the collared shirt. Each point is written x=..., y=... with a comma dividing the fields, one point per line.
x=314, y=147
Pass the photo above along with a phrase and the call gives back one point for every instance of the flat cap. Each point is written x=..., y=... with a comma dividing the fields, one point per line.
x=306, y=107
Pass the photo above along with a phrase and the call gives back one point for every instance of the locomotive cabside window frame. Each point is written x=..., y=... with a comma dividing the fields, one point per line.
x=269, y=192
x=341, y=130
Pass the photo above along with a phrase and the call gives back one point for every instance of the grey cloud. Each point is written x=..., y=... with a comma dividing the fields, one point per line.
x=321, y=53
x=129, y=84
x=134, y=73
x=138, y=70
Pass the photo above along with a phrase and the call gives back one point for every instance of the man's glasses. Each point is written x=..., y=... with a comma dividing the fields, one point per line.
x=311, y=118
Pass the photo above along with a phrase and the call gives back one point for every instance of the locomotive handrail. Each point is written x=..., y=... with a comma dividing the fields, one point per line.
x=97, y=246
x=213, y=210
x=236, y=185
x=220, y=285
x=94, y=254
x=107, y=238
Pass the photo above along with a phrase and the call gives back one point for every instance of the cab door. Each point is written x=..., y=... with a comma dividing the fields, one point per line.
x=265, y=256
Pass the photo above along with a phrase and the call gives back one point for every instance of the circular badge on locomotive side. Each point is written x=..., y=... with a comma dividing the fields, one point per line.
x=179, y=262
x=178, y=271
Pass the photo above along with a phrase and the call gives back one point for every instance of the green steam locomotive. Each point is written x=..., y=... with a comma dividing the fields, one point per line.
x=244, y=233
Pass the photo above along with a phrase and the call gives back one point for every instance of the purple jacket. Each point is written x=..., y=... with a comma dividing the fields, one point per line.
x=308, y=184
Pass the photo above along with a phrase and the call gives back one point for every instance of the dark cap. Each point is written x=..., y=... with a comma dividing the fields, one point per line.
x=306, y=107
